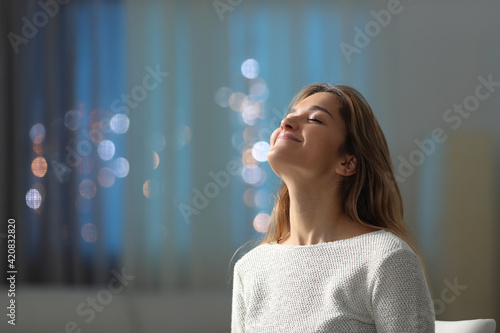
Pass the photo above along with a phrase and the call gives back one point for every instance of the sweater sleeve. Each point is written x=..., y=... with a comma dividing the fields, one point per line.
x=401, y=301
x=238, y=304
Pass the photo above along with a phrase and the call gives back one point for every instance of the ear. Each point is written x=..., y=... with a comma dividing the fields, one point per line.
x=347, y=166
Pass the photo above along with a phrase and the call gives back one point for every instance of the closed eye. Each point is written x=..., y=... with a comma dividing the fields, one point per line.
x=317, y=120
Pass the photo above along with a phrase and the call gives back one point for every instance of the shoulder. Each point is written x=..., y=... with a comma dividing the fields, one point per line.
x=379, y=252
x=373, y=247
x=386, y=241
x=251, y=259
x=385, y=246
x=391, y=255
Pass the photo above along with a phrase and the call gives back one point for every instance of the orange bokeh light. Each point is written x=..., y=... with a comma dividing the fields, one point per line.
x=87, y=188
x=39, y=166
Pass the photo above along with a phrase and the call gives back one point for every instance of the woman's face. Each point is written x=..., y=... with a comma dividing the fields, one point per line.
x=307, y=142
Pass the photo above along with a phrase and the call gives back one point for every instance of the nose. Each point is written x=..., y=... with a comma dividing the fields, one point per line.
x=287, y=122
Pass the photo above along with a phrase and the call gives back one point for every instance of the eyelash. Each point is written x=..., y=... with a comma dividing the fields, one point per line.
x=313, y=119
x=317, y=120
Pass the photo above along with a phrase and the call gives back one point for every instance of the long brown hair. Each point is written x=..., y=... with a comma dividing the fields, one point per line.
x=371, y=196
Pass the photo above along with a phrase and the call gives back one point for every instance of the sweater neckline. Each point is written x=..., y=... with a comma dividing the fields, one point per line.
x=276, y=244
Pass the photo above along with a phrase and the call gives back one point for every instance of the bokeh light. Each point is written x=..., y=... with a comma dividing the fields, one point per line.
x=121, y=167
x=37, y=147
x=72, y=119
x=182, y=136
x=258, y=110
x=99, y=119
x=258, y=89
x=250, y=68
x=158, y=141
x=119, y=123
x=253, y=175
x=259, y=151
x=89, y=233
x=236, y=100
x=146, y=189
x=87, y=188
x=33, y=199
x=250, y=134
x=96, y=135
x=37, y=133
x=106, y=150
x=39, y=166
x=150, y=189
x=222, y=96
x=156, y=160
x=247, y=157
x=261, y=222
x=106, y=177
x=249, y=114
x=249, y=197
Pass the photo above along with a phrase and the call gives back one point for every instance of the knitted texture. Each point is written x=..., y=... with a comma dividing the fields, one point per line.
x=369, y=283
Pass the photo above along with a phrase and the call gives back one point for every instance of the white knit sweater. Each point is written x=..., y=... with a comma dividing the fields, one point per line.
x=369, y=283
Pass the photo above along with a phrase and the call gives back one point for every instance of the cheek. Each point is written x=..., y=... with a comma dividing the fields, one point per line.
x=274, y=136
x=324, y=146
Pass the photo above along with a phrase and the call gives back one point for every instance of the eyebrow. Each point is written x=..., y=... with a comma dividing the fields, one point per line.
x=313, y=107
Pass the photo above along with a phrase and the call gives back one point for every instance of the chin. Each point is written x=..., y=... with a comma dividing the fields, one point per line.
x=274, y=161
x=279, y=160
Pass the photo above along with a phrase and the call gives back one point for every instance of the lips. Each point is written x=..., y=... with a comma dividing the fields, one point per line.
x=287, y=136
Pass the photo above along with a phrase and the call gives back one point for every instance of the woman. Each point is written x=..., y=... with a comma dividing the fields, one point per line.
x=337, y=256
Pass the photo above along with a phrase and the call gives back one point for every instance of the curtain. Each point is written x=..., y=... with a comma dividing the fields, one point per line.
x=140, y=129
x=65, y=65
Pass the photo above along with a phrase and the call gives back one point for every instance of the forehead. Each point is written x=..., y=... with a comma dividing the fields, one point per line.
x=326, y=100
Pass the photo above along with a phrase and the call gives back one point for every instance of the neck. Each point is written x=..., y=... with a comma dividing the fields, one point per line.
x=316, y=214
